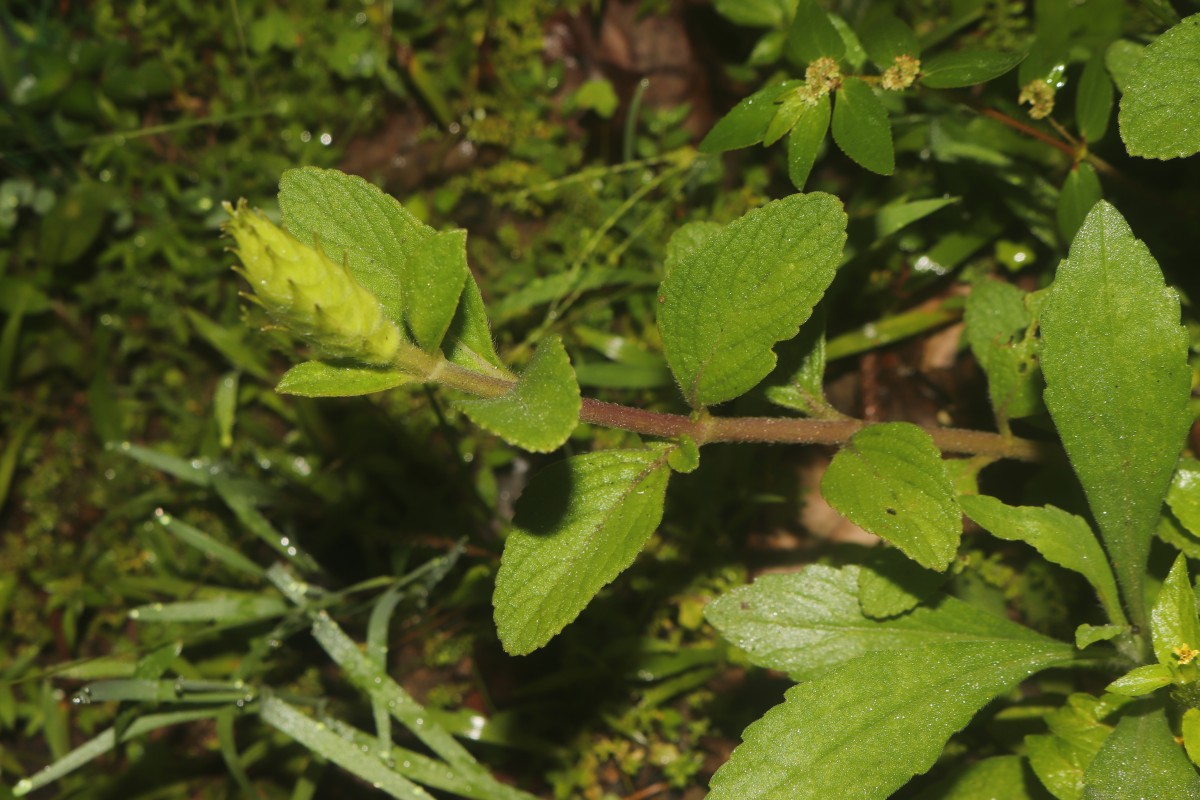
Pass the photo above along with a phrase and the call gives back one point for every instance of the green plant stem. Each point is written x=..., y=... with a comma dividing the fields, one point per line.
x=705, y=429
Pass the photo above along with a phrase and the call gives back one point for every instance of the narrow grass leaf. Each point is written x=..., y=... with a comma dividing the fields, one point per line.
x=206, y=544
x=578, y=524
x=542, y=408
x=861, y=127
x=807, y=623
x=239, y=610
x=317, y=737
x=889, y=480
x=322, y=379
x=104, y=743
x=863, y=730
x=1160, y=110
x=227, y=744
x=1117, y=385
x=728, y=301
x=1061, y=538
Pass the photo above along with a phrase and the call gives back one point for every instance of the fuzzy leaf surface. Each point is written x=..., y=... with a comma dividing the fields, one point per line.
x=1061, y=538
x=540, y=410
x=1173, y=621
x=1117, y=385
x=861, y=127
x=434, y=277
x=578, y=525
x=469, y=339
x=1141, y=759
x=862, y=731
x=1061, y=757
x=806, y=623
x=967, y=68
x=319, y=379
x=889, y=480
x=355, y=221
x=1160, y=110
x=728, y=301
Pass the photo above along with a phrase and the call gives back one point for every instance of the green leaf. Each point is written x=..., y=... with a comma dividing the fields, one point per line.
x=890, y=583
x=1087, y=635
x=1141, y=759
x=885, y=36
x=322, y=379
x=434, y=276
x=541, y=409
x=995, y=778
x=967, y=68
x=1061, y=538
x=1079, y=194
x=812, y=35
x=809, y=622
x=787, y=113
x=1160, y=110
x=1117, y=385
x=1120, y=58
x=1190, y=729
x=997, y=320
x=889, y=480
x=747, y=123
x=469, y=339
x=687, y=239
x=354, y=221
x=860, y=732
x=1061, y=757
x=754, y=13
x=1093, y=101
x=579, y=524
x=861, y=127
x=805, y=140
x=725, y=303
x=804, y=389
x=1173, y=621
x=1184, y=495
x=1141, y=680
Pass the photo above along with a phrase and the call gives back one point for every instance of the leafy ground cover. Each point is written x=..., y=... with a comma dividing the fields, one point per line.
x=209, y=587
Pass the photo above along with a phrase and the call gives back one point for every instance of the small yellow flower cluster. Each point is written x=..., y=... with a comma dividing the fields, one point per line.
x=902, y=73
x=1040, y=97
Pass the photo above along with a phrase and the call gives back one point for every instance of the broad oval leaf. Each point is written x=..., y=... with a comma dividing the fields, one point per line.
x=578, y=525
x=889, y=479
x=1079, y=194
x=747, y=122
x=1061, y=538
x=1160, y=110
x=885, y=36
x=728, y=301
x=806, y=623
x=319, y=379
x=1141, y=759
x=862, y=731
x=1117, y=385
x=357, y=222
x=967, y=68
x=805, y=140
x=1183, y=497
x=541, y=409
x=861, y=127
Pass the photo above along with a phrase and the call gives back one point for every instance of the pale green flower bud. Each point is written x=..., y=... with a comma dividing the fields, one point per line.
x=309, y=294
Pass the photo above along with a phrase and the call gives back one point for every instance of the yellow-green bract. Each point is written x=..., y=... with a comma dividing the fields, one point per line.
x=306, y=292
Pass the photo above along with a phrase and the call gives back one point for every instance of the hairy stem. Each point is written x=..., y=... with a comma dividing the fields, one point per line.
x=770, y=430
